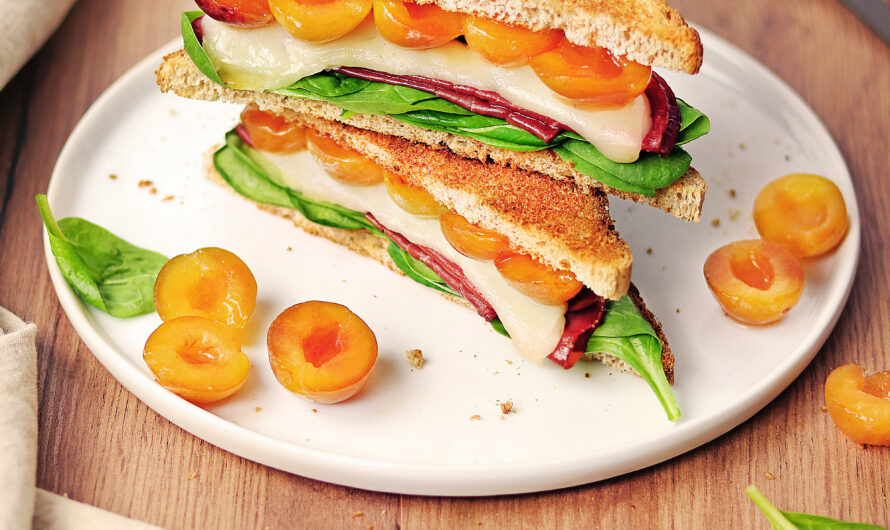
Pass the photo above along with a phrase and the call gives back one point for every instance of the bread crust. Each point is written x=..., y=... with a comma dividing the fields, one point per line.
x=374, y=247
x=647, y=31
x=682, y=199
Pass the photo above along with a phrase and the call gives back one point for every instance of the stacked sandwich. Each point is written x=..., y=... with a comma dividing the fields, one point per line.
x=468, y=144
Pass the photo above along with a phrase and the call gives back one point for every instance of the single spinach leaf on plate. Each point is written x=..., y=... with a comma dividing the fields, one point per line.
x=782, y=520
x=194, y=49
x=417, y=270
x=108, y=272
x=693, y=123
x=625, y=334
x=649, y=173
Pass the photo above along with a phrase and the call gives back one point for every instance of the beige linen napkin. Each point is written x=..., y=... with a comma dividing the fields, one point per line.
x=21, y=504
x=24, y=27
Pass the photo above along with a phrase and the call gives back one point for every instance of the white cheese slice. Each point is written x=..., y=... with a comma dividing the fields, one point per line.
x=268, y=58
x=534, y=328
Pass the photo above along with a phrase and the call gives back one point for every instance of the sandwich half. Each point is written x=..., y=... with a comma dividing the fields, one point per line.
x=557, y=87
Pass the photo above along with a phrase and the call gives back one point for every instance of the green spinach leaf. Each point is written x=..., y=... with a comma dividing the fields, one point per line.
x=693, y=123
x=782, y=520
x=417, y=270
x=625, y=334
x=194, y=49
x=649, y=173
x=108, y=272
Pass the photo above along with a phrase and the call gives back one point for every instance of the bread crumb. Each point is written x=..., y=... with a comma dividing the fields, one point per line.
x=112, y=176
x=507, y=407
x=509, y=361
x=715, y=221
x=356, y=514
x=315, y=410
x=742, y=146
x=587, y=375
x=145, y=183
x=290, y=248
x=153, y=190
x=734, y=214
x=192, y=475
x=678, y=310
x=258, y=409
x=823, y=408
x=768, y=475
x=732, y=193
x=415, y=358
x=649, y=250
x=168, y=198
x=475, y=417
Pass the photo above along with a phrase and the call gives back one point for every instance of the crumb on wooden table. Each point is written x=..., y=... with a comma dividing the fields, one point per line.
x=507, y=407
x=475, y=417
x=356, y=514
x=823, y=408
x=768, y=476
x=192, y=475
x=415, y=358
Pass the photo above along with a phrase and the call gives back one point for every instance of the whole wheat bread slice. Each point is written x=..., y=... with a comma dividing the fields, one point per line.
x=374, y=247
x=682, y=199
x=646, y=31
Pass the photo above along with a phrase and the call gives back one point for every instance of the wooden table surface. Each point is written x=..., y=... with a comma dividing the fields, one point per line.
x=100, y=445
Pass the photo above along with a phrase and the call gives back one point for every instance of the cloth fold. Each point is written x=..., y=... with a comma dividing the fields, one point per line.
x=21, y=504
x=24, y=26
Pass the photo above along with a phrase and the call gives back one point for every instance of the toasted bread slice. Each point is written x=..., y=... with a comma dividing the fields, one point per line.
x=178, y=74
x=372, y=246
x=646, y=31
x=552, y=220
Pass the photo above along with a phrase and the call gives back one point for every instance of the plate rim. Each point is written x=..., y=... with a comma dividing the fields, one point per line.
x=449, y=479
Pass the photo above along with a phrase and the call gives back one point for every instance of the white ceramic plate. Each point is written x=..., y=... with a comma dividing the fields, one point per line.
x=410, y=430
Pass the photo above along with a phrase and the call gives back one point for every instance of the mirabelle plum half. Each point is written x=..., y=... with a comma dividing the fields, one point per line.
x=861, y=415
x=504, y=44
x=590, y=74
x=802, y=212
x=321, y=351
x=319, y=20
x=342, y=163
x=211, y=283
x=242, y=13
x=538, y=281
x=878, y=384
x=196, y=358
x=472, y=240
x=754, y=281
x=415, y=26
x=412, y=199
x=272, y=133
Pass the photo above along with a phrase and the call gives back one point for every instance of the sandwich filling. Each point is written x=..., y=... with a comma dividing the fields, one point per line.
x=582, y=323
x=629, y=145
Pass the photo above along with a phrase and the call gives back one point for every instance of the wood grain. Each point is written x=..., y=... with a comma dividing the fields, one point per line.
x=101, y=445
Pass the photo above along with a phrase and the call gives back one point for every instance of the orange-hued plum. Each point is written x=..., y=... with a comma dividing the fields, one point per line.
x=536, y=280
x=272, y=133
x=242, y=13
x=504, y=44
x=859, y=413
x=319, y=20
x=196, y=358
x=321, y=351
x=211, y=283
x=472, y=240
x=412, y=199
x=754, y=281
x=590, y=74
x=802, y=212
x=342, y=163
x=415, y=26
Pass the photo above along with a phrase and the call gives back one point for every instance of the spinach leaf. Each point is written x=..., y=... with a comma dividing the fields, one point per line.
x=499, y=327
x=108, y=272
x=782, y=520
x=625, y=334
x=649, y=173
x=417, y=270
x=693, y=123
x=194, y=49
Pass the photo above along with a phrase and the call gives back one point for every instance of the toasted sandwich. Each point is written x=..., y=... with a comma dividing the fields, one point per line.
x=485, y=162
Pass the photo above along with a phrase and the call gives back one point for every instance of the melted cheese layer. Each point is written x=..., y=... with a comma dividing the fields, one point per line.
x=269, y=58
x=534, y=328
